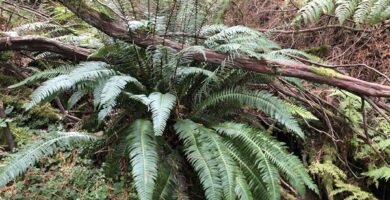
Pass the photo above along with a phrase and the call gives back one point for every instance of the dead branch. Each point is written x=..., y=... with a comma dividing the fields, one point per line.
x=36, y=43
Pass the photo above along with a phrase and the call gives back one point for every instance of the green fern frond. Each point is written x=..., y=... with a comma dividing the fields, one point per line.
x=167, y=185
x=314, y=9
x=84, y=71
x=380, y=173
x=114, y=86
x=75, y=98
x=362, y=11
x=269, y=104
x=345, y=9
x=143, y=157
x=287, y=52
x=20, y=161
x=242, y=189
x=327, y=168
x=161, y=106
x=301, y=111
x=86, y=41
x=383, y=144
x=354, y=192
x=184, y=72
x=240, y=39
x=200, y=158
x=267, y=148
x=29, y=28
x=212, y=29
x=47, y=74
x=269, y=173
x=257, y=185
x=107, y=90
x=228, y=168
x=378, y=11
x=139, y=98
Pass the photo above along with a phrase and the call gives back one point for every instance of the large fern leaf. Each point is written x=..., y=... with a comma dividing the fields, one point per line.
x=50, y=73
x=228, y=168
x=200, y=158
x=143, y=157
x=314, y=9
x=345, y=9
x=257, y=185
x=269, y=149
x=84, y=71
x=161, y=105
x=380, y=173
x=19, y=162
x=264, y=101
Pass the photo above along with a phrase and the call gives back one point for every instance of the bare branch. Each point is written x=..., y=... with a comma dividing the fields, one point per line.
x=34, y=43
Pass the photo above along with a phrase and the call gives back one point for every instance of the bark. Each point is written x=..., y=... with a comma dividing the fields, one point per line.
x=6, y=131
x=35, y=43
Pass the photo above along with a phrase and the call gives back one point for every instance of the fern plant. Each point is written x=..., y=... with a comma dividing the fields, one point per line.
x=360, y=11
x=328, y=171
x=168, y=106
x=18, y=163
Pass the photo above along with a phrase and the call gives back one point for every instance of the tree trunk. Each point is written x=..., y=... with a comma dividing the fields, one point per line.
x=7, y=132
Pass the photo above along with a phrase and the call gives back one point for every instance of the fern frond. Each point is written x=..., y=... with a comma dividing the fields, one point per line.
x=269, y=173
x=19, y=162
x=378, y=11
x=380, y=173
x=242, y=189
x=47, y=74
x=212, y=29
x=200, y=158
x=240, y=39
x=362, y=11
x=354, y=192
x=383, y=144
x=167, y=183
x=84, y=71
x=345, y=9
x=143, y=157
x=86, y=41
x=301, y=111
x=288, y=52
x=184, y=72
x=256, y=141
x=29, y=28
x=114, y=86
x=140, y=98
x=161, y=106
x=228, y=168
x=271, y=105
x=250, y=172
x=75, y=98
x=314, y=9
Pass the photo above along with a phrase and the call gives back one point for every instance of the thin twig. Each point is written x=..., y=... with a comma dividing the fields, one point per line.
x=344, y=65
x=376, y=107
x=368, y=140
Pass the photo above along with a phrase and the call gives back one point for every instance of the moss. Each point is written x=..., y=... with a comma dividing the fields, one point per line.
x=45, y=111
x=319, y=51
x=6, y=55
x=22, y=135
x=6, y=81
x=40, y=112
x=330, y=73
x=17, y=102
